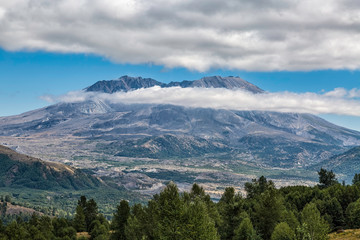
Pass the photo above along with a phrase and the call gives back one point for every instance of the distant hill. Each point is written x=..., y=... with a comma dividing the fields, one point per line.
x=19, y=170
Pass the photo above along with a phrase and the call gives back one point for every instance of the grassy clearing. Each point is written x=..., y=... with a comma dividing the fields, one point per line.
x=349, y=234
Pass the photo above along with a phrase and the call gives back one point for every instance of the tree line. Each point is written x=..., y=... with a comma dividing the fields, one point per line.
x=288, y=213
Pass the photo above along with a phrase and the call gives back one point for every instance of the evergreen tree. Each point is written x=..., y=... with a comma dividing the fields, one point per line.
x=356, y=179
x=327, y=178
x=245, y=231
x=197, y=225
x=268, y=212
x=230, y=207
x=79, y=219
x=138, y=223
x=82, y=202
x=62, y=229
x=135, y=229
x=16, y=231
x=90, y=212
x=46, y=227
x=256, y=187
x=170, y=209
x=198, y=192
x=7, y=198
x=99, y=230
x=119, y=220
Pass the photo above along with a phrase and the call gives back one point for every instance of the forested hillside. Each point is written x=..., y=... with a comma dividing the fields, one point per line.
x=295, y=212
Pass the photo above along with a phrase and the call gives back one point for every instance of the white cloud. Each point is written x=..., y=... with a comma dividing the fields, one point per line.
x=337, y=92
x=354, y=93
x=327, y=103
x=196, y=34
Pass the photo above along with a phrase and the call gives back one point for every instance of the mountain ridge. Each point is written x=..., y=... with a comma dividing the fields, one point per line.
x=127, y=83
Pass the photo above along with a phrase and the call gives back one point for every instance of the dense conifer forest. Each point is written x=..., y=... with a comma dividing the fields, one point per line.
x=294, y=213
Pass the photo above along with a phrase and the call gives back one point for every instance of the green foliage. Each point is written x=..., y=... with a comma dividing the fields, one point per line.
x=356, y=179
x=91, y=212
x=230, y=207
x=353, y=214
x=119, y=220
x=313, y=224
x=256, y=187
x=99, y=230
x=170, y=215
x=197, y=224
x=79, y=219
x=268, y=212
x=8, y=198
x=298, y=212
x=282, y=231
x=245, y=231
x=327, y=178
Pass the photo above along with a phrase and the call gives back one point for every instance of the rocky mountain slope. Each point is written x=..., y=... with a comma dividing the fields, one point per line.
x=346, y=164
x=267, y=138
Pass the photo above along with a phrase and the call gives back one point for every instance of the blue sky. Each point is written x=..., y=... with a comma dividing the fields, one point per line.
x=307, y=48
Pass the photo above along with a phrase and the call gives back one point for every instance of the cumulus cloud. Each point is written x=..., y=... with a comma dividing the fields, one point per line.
x=260, y=35
x=343, y=104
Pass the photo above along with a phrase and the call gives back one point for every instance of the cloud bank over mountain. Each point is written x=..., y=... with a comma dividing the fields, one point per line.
x=256, y=35
x=338, y=101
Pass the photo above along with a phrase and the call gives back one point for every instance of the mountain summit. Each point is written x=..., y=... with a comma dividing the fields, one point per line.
x=219, y=82
x=126, y=83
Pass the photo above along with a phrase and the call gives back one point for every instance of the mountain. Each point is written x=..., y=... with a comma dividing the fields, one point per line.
x=142, y=146
x=126, y=83
x=346, y=164
x=267, y=138
x=219, y=82
x=19, y=170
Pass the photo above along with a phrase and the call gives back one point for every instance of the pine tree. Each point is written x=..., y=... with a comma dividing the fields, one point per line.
x=245, y=231
x=119, y=220
x=356, y=179
x=256, y=187
x=170, y=209
x=268, y=212
x=197, y=224
x=327, y=178
x=79, y=219
x=229, y=207
x=91, y=212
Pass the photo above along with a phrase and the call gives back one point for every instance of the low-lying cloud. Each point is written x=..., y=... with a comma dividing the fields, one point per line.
x=339, y=101
x=253, y=35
